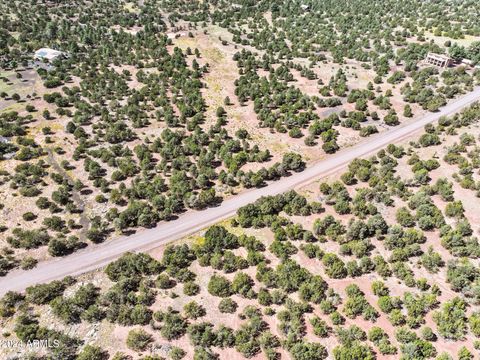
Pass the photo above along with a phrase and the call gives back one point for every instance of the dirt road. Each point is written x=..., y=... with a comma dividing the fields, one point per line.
x=96, y=256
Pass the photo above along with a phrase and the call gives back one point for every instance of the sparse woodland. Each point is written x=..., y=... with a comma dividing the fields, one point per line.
x=129, y=130
x=387, y=267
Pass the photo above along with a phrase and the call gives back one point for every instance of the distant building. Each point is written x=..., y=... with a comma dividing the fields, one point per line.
x=6, y=156
x=305, y=7
x=438, y=60
x=48, y=54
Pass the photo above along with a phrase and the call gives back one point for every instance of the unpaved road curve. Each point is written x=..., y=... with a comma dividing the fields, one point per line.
x=96, y=256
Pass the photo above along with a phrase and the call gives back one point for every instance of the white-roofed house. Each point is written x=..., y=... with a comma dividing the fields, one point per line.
x=48, y=54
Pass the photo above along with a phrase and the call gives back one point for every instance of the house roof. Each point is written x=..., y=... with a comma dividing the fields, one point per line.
x=47, y=53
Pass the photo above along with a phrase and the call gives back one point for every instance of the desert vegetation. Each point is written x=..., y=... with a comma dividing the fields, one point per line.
x=162, y=107
x=377, y=262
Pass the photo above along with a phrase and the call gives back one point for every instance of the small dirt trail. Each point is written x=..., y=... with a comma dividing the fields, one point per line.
x=77, y=198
